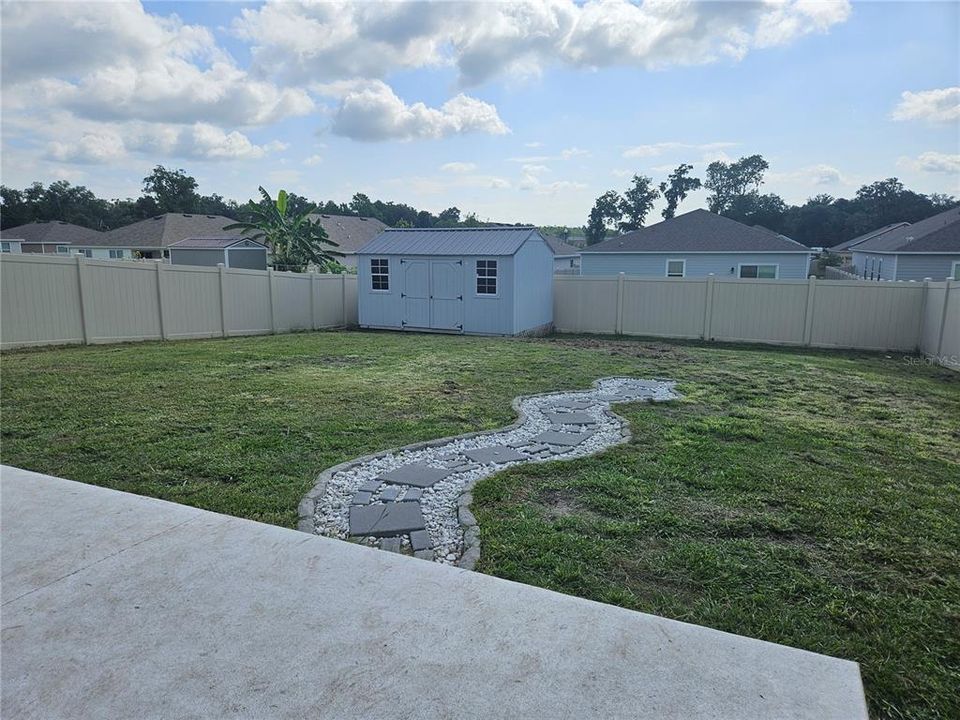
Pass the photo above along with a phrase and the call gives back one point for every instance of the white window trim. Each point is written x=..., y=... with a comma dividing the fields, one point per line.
x=62, y=249
x=776, y=270
x=111, y=251
x=955, y=270
x=6, y=247
x=389, y=276
x=496, y=277
x=666, y=268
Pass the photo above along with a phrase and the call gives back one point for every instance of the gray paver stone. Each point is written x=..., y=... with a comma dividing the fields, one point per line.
x=423, y=555
x=390, y=494
x=360, y=498
x=571, y=418
x=390, y=544
x=416, y=474
x=371, y=486
x=566, y=439
x=412, y=495
x=575, y=404
x=495, y=454
x=420, y=540
x=385, y=520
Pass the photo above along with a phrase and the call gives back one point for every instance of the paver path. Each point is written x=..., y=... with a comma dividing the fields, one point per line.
x=416, y=499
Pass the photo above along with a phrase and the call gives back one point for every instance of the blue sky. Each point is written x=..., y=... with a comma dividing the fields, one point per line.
x=515, y=112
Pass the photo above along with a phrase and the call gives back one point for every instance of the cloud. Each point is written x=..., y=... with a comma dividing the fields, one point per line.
x=935, y=106
x=658, y=149
x=824, y=175
x=932, y=162
x=373, y=112
x=574, y=152
x=313, y=160
x=91, y=148
x=530, y=181
x=304, y=41
x=534, y=144
x=458, y=167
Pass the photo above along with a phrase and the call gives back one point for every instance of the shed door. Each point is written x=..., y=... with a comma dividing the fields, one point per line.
x=446, y=294
x=416, y=293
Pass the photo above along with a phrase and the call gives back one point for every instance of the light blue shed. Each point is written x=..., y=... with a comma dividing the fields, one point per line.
x=476, y=281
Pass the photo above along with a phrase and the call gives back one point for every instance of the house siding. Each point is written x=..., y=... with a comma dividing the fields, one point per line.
x=883, y=266
x=792, y=265
x=919, y=267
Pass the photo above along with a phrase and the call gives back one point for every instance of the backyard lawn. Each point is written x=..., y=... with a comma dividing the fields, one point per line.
x=807, y=498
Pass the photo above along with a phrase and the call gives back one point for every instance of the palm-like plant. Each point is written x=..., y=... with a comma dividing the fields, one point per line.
x=295, y=241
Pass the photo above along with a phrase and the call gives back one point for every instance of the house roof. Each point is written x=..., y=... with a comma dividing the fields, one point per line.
x=937, y=234
x=349, y=232
x=699, y=231
x=213, y=243
x=449, y=241
x=559, y=247
x=52, y=231
x=162, y=231
x=847, y=244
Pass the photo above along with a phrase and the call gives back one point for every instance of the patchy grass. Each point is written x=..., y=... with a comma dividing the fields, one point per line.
x=802, y=497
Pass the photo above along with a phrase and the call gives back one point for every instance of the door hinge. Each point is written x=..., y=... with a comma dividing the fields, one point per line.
x=403, y=323
x=459, y=262
x=402, y=295
x=402, y=261
x=460, y=327
x=431, y=297
x=460, y=297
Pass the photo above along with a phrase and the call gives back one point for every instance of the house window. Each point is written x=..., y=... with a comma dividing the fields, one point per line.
x=759, y=271
x=379, y=274
x=955, y=271
x=116, y=254
x=676, y=268
x=4, y=247
x=87, y=252
x=486, y=277
x=63, y=249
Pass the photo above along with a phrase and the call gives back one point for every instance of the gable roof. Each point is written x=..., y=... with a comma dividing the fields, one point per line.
x=449, y=241
x=937, y=234
x=52, y=231
x=162, y=231
x=214, y=243
x=847, y=244
x=560, y=248
x=349, y=232
x=699, y=231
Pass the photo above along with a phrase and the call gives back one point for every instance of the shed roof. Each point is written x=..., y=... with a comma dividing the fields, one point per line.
x=449, y=241
x=699, y=231
x=213, y=243
x=937, y=234
x=349, y=232
x=848, y=244
x=51, y=231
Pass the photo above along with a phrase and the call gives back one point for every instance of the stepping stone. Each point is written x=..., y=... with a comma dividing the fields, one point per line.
x=537, y=449
x=390, y=494
x=390, y=519
x=571, y=418
x=575, y=404
x=420, y=540
x=371, y=486
x=361, y=498
x=416, y=474
x=566, y=439
x=423, y=555
x=495, y=454
x=412, y=495
x=390, y=544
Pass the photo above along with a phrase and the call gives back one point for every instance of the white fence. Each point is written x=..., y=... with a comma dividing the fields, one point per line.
x=46, y=300
x=853, y=314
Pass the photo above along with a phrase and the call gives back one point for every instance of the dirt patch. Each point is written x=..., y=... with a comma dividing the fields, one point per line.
x=560, y=503
x=626, y=348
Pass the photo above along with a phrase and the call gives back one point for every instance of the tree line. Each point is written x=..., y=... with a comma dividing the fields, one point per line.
x=165, y=190
x=734, y=187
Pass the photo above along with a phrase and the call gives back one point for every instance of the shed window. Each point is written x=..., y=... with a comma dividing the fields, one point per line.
x=4, y=247
x=486, y=277
x=758, y=271
x=379, y=274
x=676, y=268
x=116, y=254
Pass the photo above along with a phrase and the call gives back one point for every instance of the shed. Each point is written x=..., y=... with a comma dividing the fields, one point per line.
x=232, y=252
x=476, y=281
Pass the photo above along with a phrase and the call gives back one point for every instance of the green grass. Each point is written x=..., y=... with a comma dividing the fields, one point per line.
x=807, y=498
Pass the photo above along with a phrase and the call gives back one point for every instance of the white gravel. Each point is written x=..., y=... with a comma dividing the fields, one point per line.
x=439, y=503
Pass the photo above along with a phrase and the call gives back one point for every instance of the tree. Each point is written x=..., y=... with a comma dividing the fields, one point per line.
x=729, y=181
x=604, y=216
x=677, y=189
x=361, y=205
x=295, y=241
x=448, y=218
x=637, y=202
x=172, y=190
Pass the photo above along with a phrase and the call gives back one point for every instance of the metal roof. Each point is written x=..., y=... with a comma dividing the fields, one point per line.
x=937, y=234
x=449, y=241
x=699, y=231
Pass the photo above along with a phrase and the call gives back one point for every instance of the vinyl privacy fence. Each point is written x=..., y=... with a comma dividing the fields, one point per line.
x=906, y=316
x=48, y=300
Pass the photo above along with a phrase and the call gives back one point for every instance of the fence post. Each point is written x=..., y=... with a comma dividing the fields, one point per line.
x=162, y=316
x=343, y=297
x=313, y=299
x=619, y=323
x=222, y=276
x=708, y=306
x=808, y=315
x=943, y=316
x=84, y=305
x=273, y=305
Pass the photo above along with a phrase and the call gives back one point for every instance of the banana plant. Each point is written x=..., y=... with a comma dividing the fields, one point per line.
x=295, y=241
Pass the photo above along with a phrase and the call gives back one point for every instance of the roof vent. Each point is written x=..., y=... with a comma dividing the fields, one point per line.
x=363, y=219
x=157, y=217
x=185, y=215
x=212, y=217
x=327, y=217
x=908, y=238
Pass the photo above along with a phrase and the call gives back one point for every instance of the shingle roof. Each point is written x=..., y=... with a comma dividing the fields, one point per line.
x=940, y=233
x=848, y=244
x=449, y=241
x=699, y=231
x=561, y=248
x=212, y=243
x=53, y=231
x=163, y=230
x=349, y=232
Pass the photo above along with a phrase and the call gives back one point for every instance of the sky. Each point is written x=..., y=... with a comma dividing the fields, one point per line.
x=515, y=111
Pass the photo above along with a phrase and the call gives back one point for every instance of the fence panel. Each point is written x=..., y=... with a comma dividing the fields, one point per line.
x=585, y=304
x=191, y=301
x=772, y=311
x=663, y=308
x=121, y=301
x=292, y=298
x=868, y=315
x=40, y=302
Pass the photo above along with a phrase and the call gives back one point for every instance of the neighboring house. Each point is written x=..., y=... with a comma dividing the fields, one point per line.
x=152, y=238
x=566, y=258
x=697, y=244
x=53, y=236
x=844, y=249
x=480, y=281
x=926, y=249
x=11, y=246
x=350, y=233
x=235, y=252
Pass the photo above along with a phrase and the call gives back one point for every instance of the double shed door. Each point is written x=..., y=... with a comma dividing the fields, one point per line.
x=432, y=294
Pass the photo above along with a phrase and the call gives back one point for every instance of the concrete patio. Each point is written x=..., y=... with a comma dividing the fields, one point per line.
x=115, y=605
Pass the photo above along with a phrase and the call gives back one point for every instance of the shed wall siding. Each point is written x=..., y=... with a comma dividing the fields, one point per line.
x=792, y=265
x=533, y=284
x=203, y=258
x=918, y=267
x=252, y=259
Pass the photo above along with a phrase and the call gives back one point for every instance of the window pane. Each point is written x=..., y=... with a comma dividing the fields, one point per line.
x=748, y=271
x=675, y=268
x=767, y=271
